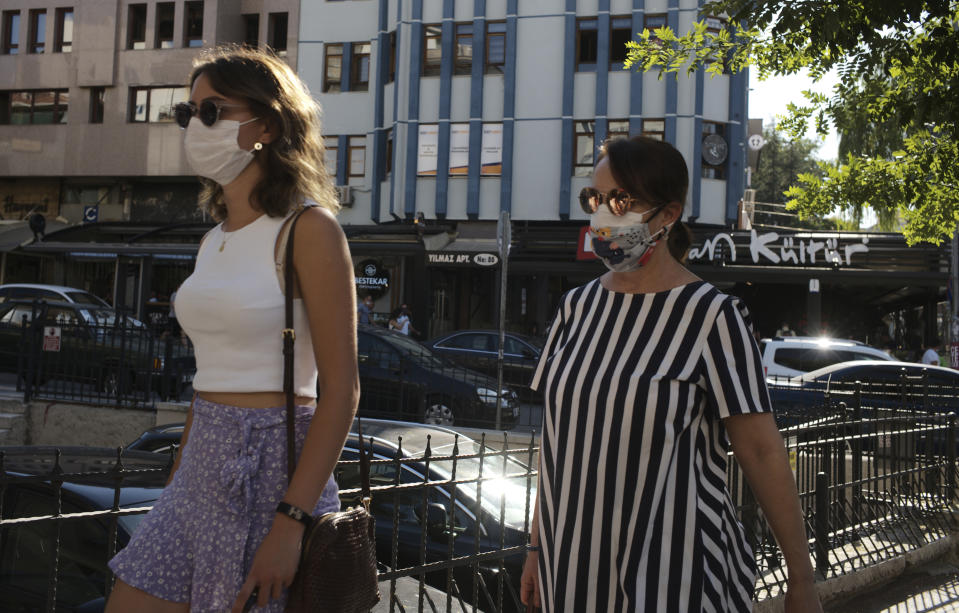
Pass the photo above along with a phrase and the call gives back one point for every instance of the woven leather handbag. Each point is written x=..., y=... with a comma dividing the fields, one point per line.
x=337, y=570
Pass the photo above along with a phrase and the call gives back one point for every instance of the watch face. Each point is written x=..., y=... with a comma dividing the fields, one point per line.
x=715, y=149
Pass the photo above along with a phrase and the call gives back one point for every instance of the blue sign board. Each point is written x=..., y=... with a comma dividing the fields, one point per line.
x=91, y=214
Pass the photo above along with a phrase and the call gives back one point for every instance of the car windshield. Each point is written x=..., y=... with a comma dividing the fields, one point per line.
x=497, y=491
x=418, y=353
x=104, y=317
x=87, y=299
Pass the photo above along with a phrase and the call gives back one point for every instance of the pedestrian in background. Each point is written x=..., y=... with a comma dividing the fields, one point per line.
x=227, y=529
x=411, y=330
x=365, y=310
x=400, y=321
x=646, y=372
x=931, y=356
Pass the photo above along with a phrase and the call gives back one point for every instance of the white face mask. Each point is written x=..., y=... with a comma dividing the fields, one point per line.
x=624, y=243
x=213, y=151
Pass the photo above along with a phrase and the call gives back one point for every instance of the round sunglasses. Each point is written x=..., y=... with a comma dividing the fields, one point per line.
x=208, y=112
x=618, y=200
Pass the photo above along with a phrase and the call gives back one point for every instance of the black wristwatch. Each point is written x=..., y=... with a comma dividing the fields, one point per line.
x=295, y=512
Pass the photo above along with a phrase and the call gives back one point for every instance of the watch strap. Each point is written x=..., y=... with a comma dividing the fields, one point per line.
x=294, y=512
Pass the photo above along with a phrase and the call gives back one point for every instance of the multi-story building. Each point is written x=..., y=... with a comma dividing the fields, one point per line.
x=86, y=132
x=446, y=113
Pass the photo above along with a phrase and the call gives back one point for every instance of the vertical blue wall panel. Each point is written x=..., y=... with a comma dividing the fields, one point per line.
x=636, y=78
x=446, y=85
x=379, y=138
x=569, y=72
x=736, y=135
x=696, y=172
x=476, y=111
x=509, y=108
x=412, y=132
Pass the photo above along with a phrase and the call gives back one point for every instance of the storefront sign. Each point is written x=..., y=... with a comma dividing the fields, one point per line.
x=372, y=278
x=462, y=259
x=769, y=249
x=51, y=338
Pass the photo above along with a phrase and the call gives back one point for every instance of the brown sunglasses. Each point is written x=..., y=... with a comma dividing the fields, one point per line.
x=618, y=200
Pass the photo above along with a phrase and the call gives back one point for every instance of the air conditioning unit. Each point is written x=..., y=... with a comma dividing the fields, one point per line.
x=345, y=195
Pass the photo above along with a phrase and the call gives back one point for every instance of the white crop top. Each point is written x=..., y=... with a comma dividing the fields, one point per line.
x=232, y=309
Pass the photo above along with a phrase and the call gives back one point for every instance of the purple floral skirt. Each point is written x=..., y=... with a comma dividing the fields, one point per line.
x=197, y=543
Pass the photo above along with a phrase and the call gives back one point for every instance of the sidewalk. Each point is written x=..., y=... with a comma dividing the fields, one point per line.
x=933, y=587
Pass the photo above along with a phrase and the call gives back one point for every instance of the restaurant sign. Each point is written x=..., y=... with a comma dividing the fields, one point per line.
x=769, y=248
x=372, y=278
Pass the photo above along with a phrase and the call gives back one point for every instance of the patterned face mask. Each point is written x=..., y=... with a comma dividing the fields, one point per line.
x=624, y=242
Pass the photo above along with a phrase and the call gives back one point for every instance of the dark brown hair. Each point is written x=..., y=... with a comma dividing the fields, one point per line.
x=293, y=161
x=656, y=173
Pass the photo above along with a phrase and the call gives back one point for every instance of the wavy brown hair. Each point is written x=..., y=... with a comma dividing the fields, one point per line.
x=293, y=162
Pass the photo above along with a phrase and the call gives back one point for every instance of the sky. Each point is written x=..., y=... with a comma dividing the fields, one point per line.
x=769, y=98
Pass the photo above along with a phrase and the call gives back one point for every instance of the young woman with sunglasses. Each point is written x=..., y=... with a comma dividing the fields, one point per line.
x=648, y=374
x=225, y=534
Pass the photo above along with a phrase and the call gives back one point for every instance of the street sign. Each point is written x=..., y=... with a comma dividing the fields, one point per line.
x=91, y=214
x=51, y=338
x=756, y=142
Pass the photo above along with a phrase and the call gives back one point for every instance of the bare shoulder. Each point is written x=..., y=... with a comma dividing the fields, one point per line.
x=318, y=227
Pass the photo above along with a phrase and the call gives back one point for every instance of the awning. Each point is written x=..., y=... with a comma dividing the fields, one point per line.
x=474, y=244
x=15, y=233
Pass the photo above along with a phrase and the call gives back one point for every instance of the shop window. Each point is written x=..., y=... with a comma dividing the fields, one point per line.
x=333, y=74
x=137, y=26
x=392, y=69
x=715, y=150
x=11, y=32
x=193, y=24
x=63, y=31
x=278, y=26
x=463, y=61
x=97, y=95
x=587, y=44
x=360, y=67
x=654, y=128
x=356, y=154
x=38, y=30
x=495, y=46
x=35, y=107
x=652, y=22
x=155, y=104
x=165, y=24
x=251, y=30
x=330, y=146
x=432, y=50
x=583, y=141
x=621, y=33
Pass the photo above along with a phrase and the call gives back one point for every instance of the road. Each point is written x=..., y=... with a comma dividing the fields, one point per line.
x=932, y=588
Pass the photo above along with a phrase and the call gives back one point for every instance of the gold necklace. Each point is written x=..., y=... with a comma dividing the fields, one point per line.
x=226, y=236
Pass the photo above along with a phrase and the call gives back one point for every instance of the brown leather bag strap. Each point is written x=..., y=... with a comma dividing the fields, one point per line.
x=289, y=337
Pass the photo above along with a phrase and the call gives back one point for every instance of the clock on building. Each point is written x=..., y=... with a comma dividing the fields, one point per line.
x=715, y=149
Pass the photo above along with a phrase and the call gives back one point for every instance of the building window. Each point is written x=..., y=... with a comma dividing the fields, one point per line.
x=583, y=141
x=392, y=69
x=333, y=75
x=63, y=31
x=38, y=30
x=193, y=24
x=495, y=46
x=622, y=32
x=715, y=24
x=360, y=67
x=137, y=26
x=11, y=32
x=432, y=50
x=34, y=107
x=715, y=150
x=617, y=128
x=389, y=151
x=251, y=30
x=356, y=154
x=330, y=147
x=587, y=44
x=97, y=95
x=463, y=60
x=155, y=104
x=165, y=24
x=278, y=32
x=652, y=22
x=654, y=128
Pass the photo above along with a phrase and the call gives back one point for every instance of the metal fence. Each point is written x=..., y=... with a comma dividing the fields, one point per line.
x=110, y=360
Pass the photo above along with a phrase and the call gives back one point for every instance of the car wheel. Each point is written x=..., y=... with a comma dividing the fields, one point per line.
x=438, y=413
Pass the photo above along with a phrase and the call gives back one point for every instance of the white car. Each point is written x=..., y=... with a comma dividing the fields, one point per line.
x=61, y=293
x=790, y=356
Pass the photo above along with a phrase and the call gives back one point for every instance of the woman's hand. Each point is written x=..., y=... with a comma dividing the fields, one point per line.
x=529, y=582
x=801, y=597
x=274, y=564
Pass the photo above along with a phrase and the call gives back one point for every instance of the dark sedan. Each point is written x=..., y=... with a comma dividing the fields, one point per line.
x=479, y=350
x=402, y=379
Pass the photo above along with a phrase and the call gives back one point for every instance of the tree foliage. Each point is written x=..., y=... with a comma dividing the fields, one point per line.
x=781, y=160
x=895, y=106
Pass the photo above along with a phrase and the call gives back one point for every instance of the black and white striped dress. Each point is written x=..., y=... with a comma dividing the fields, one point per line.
x=634, y=510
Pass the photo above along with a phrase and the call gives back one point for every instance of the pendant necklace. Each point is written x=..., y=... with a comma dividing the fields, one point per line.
x=226, y=236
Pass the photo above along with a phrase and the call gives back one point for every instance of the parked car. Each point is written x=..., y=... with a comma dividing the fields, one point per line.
x=25, y=548
x=475, y=510
x=29, y=292
x=96, y=346
x=402, y=379
x=789, y=356
x=479, y=350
